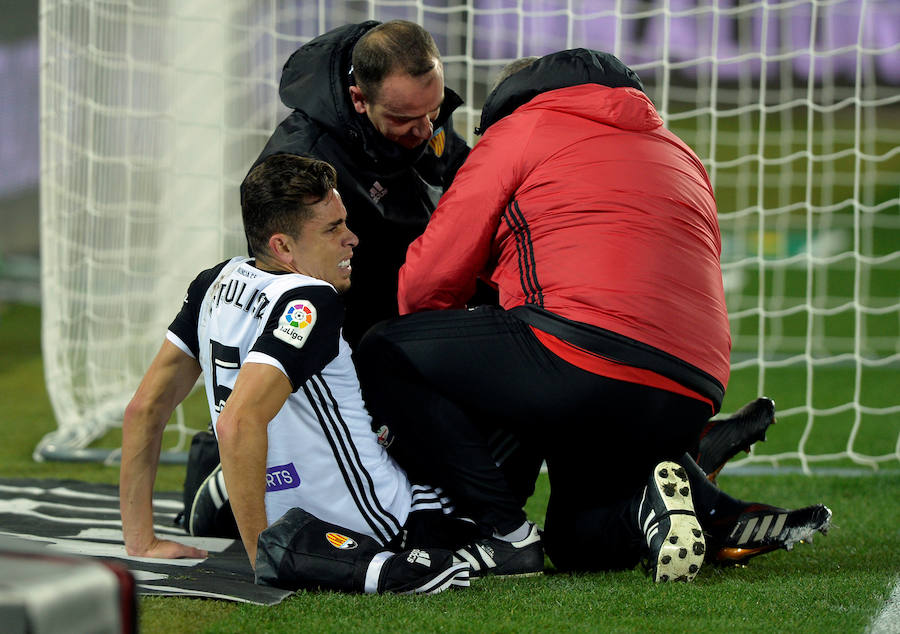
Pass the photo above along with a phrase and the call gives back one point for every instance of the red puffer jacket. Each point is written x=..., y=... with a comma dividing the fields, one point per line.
x=582, y=203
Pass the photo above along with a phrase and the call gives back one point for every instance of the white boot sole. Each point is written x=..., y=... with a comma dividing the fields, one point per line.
x=682, y=552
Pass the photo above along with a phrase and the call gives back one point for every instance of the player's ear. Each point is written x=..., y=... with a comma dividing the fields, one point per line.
x=358, y=99
x=281, y=247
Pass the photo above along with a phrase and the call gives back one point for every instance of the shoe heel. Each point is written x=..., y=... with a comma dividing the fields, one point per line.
x=683, y=548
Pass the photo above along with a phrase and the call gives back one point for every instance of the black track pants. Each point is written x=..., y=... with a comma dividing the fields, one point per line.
x=444, y=382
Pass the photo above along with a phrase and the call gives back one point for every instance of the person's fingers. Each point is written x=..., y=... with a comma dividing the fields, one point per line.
x=166, y=549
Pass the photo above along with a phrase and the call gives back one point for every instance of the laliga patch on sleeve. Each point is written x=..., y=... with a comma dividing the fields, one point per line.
x=296, y=322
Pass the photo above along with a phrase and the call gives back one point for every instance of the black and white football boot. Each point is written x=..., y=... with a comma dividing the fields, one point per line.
x=674, y=546
x=418, y=571
x=493, y=556
x=210, y=513
x=760, y=529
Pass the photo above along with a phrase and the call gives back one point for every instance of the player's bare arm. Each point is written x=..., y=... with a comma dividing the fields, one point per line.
x=259, y=393
x=169, y=380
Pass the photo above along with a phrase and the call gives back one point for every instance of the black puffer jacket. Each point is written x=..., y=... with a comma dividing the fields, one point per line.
x=389, y=191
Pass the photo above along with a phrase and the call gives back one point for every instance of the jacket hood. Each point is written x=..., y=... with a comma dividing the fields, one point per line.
x=316, y=77
x=316, y=80
x=563, y=69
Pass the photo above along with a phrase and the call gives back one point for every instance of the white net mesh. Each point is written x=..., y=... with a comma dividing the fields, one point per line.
x=153, y=110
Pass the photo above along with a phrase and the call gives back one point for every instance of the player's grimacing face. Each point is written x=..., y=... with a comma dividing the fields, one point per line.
x=325, y=244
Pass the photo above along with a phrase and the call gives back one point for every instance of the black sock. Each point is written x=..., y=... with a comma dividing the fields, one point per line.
x=710, y=502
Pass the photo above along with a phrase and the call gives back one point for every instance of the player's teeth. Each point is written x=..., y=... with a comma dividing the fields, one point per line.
x=344, y=264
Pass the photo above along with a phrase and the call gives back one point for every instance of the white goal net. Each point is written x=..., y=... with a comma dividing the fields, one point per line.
x=153, y=110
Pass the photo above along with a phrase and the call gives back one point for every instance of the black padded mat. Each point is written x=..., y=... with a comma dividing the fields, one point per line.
x=81, y=518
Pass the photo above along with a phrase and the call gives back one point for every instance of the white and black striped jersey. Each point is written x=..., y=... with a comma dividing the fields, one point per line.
x=322, y=455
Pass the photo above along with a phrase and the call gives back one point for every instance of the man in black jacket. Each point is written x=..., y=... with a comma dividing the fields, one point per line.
x=370, y=99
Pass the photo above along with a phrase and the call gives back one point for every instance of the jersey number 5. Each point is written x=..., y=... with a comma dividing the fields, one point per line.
x=225, y=359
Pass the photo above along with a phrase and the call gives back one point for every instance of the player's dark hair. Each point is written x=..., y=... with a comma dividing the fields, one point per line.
x=277, y=195
x=393, y=46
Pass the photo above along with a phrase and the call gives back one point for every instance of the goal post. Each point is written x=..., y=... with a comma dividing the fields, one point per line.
x=153, y=110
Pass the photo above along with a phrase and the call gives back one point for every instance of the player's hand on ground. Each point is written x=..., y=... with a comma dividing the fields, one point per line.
x=167, y=549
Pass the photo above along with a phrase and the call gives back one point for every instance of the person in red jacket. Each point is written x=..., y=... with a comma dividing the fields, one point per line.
x=610, y=349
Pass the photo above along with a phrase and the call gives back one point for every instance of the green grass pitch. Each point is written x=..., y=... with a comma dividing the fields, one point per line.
x=837, y=584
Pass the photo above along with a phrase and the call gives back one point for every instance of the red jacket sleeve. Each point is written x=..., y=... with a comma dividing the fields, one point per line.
x=443, y=263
